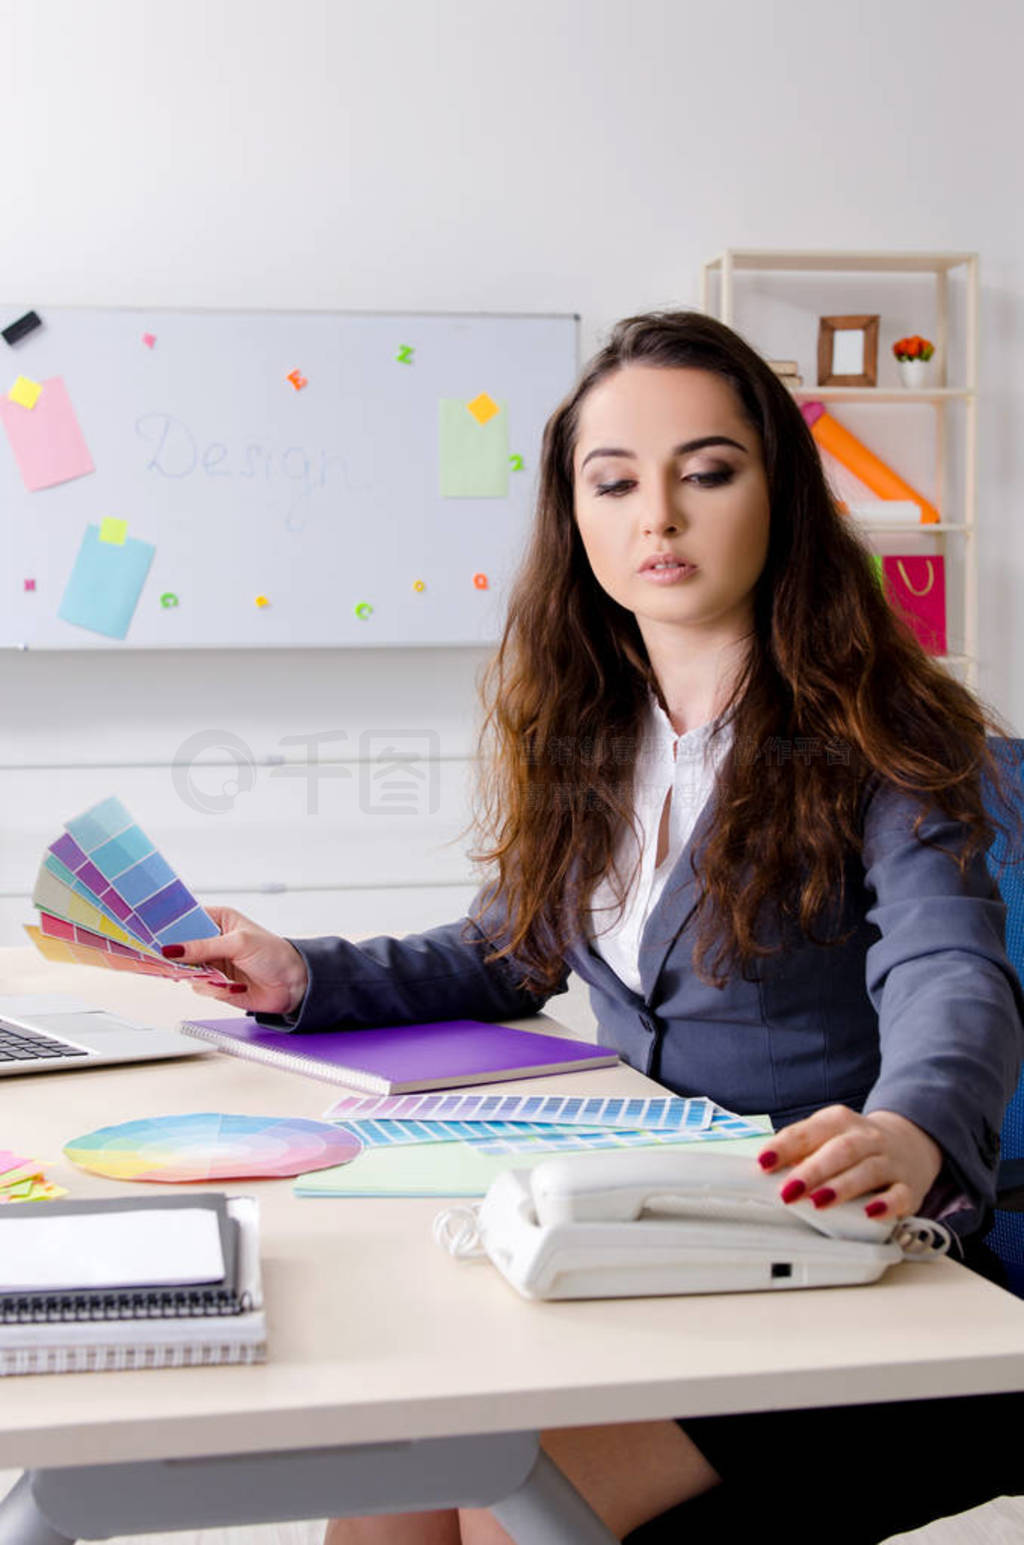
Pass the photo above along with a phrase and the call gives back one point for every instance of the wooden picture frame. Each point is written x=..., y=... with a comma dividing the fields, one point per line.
x=839, y=349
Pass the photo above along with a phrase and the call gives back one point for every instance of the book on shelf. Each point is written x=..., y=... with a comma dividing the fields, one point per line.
x=117, y=1283
x=401, y=1059
x=889, y=510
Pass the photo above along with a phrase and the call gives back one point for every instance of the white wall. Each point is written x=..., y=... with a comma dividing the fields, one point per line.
x=554, y=155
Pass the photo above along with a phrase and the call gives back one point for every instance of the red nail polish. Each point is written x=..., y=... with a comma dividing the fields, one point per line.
x=823, y=1196
x=238, y=987
x=173, y=951
x=768, y=1160
x=792, y=1189
x=875, y=1209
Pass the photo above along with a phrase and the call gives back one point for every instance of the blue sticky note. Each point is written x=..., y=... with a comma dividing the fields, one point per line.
x=105, y=584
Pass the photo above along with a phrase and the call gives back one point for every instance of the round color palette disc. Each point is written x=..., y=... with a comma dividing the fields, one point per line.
x=212, y=1146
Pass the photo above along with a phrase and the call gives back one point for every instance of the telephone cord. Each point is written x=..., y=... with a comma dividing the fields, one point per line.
x=456, y=1231
x=924, y=1237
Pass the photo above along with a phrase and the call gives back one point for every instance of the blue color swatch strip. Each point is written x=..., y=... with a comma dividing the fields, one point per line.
x=511, y=1124
x=119, y=860
x=108, y=901
x=663, y=1113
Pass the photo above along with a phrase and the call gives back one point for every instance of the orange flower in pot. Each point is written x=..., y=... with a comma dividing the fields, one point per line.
x=913, y=354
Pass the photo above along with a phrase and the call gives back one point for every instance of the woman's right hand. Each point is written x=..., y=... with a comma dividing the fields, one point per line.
x=264, y=968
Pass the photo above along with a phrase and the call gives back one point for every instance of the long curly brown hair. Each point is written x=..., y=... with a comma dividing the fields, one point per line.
x=833, y=675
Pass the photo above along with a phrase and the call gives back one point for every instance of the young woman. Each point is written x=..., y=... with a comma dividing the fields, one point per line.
x=727, y=787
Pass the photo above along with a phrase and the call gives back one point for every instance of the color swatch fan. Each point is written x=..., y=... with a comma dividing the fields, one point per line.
x=212, y=1146
x=108, y=897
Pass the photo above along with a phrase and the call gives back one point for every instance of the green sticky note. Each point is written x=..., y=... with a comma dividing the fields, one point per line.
x=876, y=563
x=114, y=531
x=473, y=457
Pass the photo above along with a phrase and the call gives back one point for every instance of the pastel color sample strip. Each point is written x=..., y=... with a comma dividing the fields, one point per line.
x=105, y=583
x=670, y=1112
x=724, y=1125
x=56, y=892
x=514, y=1137
x=557, y=1140
x=70, y=953
x=388, y=1133
x=442, y=1169
x=47, y=442
x=123, y=859
x=211, y=1146
x=59, y=928
x=106, y=897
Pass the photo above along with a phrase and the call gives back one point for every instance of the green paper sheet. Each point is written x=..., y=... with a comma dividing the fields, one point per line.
x=453, y=1169
x=473, y=457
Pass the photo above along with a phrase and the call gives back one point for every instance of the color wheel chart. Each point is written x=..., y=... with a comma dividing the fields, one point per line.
x=210, y=1145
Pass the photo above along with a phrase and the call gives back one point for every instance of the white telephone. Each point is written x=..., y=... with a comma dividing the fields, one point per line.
x=630, y=1224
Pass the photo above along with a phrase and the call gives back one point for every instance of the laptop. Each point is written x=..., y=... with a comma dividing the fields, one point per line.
x=54, y=1034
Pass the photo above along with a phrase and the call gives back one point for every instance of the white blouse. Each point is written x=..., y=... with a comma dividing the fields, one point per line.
x=682, y=768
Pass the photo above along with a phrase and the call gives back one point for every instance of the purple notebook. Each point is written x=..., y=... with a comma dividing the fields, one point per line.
x=403, y=1059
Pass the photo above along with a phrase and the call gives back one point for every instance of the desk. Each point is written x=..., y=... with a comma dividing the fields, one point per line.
x=385, y=1352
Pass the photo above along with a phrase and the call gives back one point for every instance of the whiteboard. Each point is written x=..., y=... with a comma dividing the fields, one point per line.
x=280, y=510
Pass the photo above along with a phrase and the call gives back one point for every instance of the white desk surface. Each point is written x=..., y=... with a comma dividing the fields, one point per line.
x=375, y=1333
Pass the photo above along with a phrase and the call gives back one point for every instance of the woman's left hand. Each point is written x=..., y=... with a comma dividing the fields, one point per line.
x=837, y=1155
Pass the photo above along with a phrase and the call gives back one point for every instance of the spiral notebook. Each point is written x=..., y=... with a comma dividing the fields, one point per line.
x=396, y=1059
x=126, y=1283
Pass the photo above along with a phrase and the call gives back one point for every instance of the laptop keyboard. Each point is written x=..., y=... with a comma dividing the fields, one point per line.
x=17, y=1044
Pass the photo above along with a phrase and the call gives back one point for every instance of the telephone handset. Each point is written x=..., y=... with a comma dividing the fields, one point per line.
x=627, y=1224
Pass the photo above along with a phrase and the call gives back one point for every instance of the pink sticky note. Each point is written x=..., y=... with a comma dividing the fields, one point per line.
x=149, y=339
x=30, y=584
x=48, y=444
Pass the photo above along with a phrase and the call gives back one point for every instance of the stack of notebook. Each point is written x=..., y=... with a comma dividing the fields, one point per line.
x=107, y=897
x=160, y=1282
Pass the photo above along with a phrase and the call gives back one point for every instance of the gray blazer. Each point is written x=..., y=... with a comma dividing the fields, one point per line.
x=918, y=1012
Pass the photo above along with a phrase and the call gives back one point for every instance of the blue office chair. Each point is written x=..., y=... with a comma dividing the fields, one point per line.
x=1006, y=1236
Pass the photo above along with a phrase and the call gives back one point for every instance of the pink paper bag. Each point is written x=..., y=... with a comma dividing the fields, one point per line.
x=916, y=587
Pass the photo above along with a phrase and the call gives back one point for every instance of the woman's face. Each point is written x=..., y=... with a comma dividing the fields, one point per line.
x=668, y=472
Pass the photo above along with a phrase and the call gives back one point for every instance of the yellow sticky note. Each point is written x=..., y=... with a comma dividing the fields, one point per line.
x=113, y=531
x=262, y=600
x=483, y=408
x=25, y=392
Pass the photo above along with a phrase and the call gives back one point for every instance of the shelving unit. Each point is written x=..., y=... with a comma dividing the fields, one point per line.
x=718, y=282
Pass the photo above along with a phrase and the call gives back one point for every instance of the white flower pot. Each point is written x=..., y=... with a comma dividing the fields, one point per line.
x=915, y=373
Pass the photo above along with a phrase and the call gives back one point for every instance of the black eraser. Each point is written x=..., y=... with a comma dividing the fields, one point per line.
x=26, y=324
